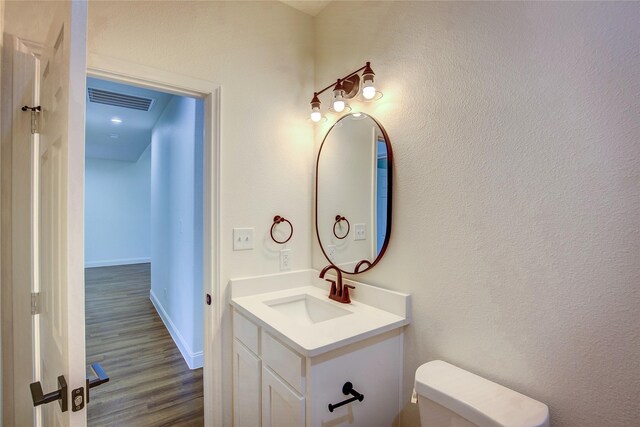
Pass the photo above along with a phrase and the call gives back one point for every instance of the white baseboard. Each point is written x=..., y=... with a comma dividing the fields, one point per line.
x=194, y=360
x=112, y=262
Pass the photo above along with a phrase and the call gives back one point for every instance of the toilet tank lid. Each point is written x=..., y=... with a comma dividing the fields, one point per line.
x=479, y=400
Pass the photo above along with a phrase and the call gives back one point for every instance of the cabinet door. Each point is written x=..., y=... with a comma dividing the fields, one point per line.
x=246, y=387
x=374, y=367
x=281, y=405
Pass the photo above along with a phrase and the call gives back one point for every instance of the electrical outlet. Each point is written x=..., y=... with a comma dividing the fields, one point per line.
x=285, y=259
x=360, y=232
x=242, y=239
x=331, y=252
x=164, y=293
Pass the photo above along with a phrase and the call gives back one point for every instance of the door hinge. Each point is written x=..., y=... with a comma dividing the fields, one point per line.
x=35, y=303
x=35, y=124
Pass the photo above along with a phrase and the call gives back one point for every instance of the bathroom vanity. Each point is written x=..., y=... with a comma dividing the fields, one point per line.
x=301, y=358
x=294, y=350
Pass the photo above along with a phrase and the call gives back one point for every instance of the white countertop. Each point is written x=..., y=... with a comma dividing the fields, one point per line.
x=383, y=311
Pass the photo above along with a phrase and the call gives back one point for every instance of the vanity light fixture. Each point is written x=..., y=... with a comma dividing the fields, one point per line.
x=116, y=120
x=347, y=88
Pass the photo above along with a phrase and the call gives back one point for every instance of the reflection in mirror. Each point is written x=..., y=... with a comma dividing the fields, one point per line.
x=353, y=193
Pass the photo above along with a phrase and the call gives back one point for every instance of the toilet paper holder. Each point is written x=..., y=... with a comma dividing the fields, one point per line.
x=347, y=389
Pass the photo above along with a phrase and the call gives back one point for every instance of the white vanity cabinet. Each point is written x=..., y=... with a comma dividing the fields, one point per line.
x=275, y=386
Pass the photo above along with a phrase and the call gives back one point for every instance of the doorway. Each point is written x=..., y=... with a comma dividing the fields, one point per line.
x=143, y=254
x=125, y=72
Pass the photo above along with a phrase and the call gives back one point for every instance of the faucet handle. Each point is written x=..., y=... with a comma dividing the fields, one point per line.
x=345, y=293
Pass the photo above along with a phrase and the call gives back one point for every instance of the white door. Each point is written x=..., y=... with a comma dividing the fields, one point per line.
x=60, y=208
x=55, y=209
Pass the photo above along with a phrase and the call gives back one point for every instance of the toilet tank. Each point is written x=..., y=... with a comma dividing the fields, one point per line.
x=452, y=397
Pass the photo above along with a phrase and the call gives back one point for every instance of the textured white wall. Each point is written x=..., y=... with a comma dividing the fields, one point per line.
x=117, y=210
x=515, y=130
x=176, y=191
x=28, y=20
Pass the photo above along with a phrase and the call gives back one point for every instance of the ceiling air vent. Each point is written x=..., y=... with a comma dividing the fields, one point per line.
x=115, y=99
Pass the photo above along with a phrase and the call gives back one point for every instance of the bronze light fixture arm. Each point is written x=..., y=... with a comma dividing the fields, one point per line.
x=342, y=79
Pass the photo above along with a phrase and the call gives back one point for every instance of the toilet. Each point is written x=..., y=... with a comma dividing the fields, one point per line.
x=452, y=397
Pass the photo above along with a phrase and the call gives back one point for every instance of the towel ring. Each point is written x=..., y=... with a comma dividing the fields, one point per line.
x=277, y=220
x=340, y=218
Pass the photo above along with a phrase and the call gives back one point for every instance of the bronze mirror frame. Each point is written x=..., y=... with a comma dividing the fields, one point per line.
x=389, y=196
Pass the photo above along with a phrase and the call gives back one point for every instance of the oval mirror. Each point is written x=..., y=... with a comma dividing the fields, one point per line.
x=353, y=193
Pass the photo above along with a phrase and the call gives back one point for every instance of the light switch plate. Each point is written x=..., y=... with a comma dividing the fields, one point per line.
x=242, y=239
x=359, y=232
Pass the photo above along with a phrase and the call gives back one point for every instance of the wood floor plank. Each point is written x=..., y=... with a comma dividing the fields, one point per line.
x=150, y=383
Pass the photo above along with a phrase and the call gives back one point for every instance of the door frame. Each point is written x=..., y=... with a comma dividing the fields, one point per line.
x=120, y=71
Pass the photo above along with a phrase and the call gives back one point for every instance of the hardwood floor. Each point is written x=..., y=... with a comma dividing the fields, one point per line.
x=150, y=383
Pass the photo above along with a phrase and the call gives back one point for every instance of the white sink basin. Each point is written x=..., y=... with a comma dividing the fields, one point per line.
x=305, y=309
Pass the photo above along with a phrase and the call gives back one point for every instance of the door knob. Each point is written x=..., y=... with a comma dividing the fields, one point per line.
x=61, y=394
x=102, y=378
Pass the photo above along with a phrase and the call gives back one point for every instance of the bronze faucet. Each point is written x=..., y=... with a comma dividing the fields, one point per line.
x=338, y=292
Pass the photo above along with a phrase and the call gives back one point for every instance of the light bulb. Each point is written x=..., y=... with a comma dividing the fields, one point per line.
x=316, y=115
x=368, y=90
x=338, y=105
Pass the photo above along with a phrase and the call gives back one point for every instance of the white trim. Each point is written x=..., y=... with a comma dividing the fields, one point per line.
x=112, y=262
x=125, y=72
x=194, y=360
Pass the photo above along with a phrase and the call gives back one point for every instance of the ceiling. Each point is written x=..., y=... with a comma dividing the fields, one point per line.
x=310, y=7
x=125, y=141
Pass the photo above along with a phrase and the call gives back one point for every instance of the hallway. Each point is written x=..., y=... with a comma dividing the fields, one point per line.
x=150, y=383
